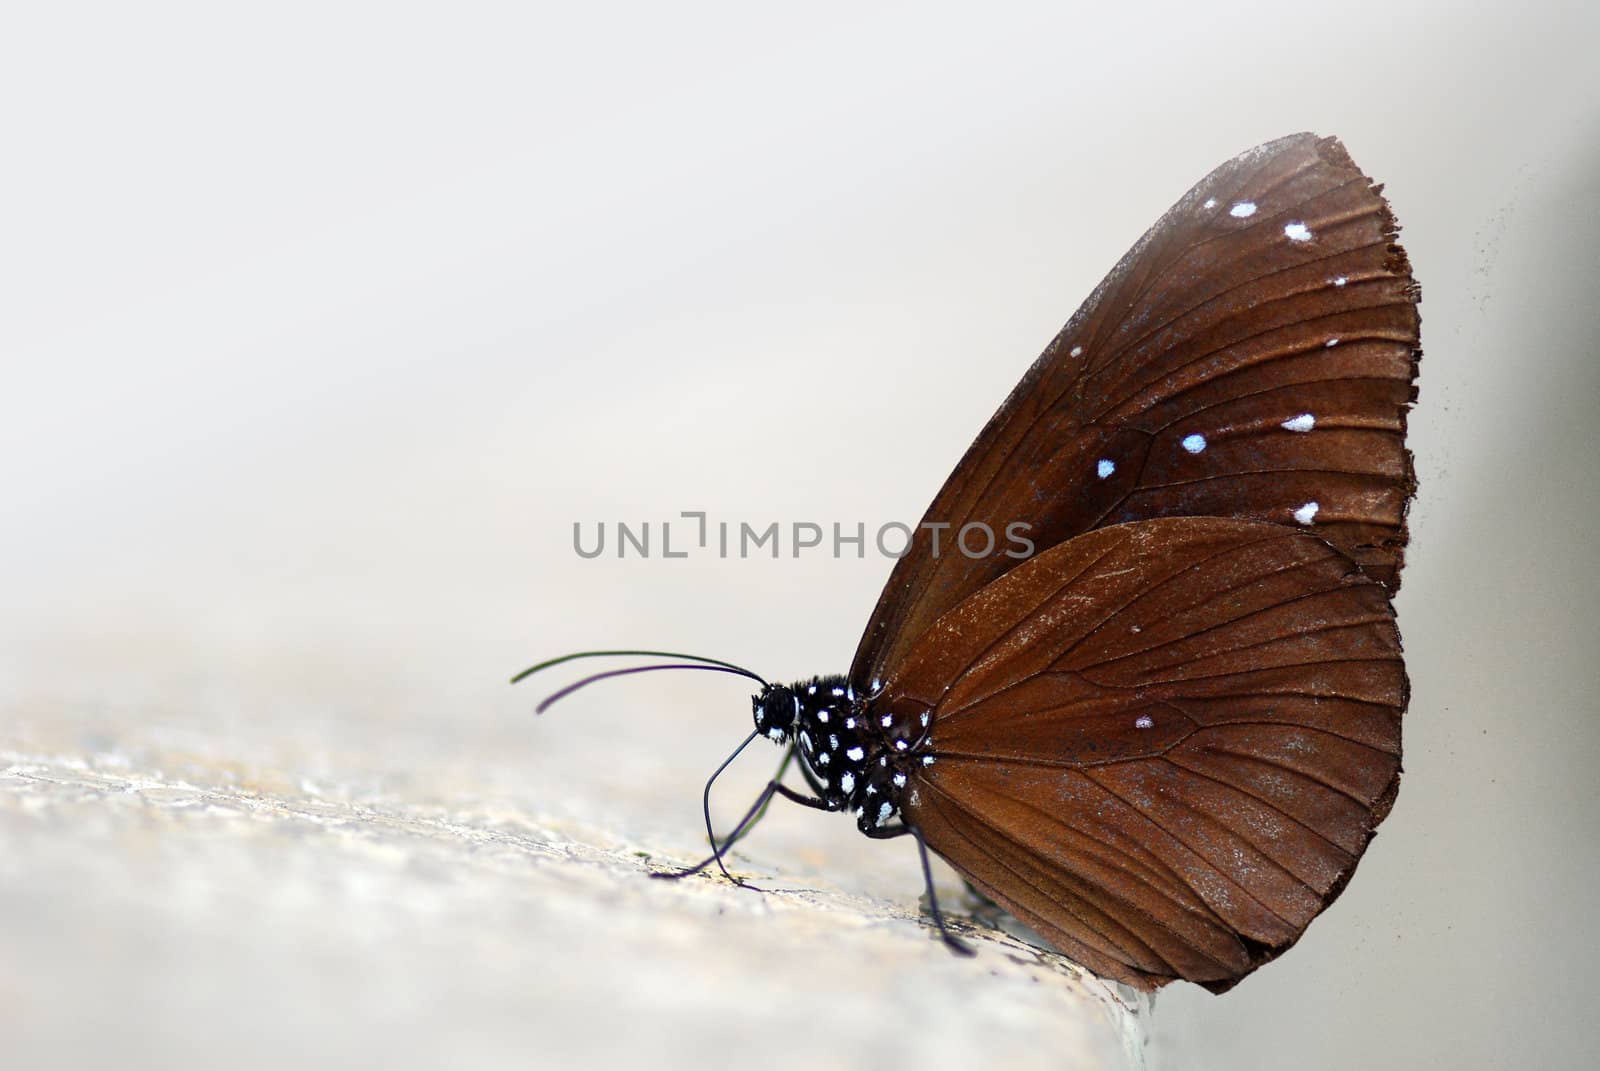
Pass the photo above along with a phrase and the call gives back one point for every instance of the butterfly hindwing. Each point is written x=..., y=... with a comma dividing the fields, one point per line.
x=1163, y=744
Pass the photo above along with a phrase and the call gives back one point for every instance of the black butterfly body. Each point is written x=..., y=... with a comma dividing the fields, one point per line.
x=854, y=753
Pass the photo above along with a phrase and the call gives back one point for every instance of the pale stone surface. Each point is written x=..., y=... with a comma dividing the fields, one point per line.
x=173, y=906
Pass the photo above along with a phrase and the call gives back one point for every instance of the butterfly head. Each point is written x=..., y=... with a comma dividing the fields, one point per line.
x=775, y=708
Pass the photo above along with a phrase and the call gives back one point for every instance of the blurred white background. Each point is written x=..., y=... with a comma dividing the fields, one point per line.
x=324, y=322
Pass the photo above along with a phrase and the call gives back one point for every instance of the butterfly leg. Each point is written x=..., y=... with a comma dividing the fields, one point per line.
x=956, y=944
x=705, y=807
x=900, y=830
x=756, y=812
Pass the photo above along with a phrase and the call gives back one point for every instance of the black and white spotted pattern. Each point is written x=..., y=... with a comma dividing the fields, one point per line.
x=854, y=757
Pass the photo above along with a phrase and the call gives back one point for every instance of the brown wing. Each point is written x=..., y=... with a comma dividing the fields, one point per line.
x=1252, y=357
x=1164, y=744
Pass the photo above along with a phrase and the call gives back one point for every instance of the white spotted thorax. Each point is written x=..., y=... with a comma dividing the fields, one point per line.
x=855, y=755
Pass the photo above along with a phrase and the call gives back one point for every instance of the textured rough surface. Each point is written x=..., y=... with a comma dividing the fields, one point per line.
x=164, y=904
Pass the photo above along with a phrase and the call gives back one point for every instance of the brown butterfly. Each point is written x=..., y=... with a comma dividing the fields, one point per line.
x=1165, y=739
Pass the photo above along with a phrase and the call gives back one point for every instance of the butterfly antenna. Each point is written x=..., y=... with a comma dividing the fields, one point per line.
x=547, y=663
x=586, y=681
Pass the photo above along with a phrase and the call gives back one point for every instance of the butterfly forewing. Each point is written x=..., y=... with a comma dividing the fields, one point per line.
x=1163, y=744
x=1251, y=357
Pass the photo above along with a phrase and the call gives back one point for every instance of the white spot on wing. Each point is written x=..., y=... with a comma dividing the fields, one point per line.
x=1077, y=351
x=1303, y=422
x=1243, y=210
x=899, y=780
x=1297, y=232
x=1332, y=342
x=886, y=721
x=1306, y=513
x=1211, y=202
x=1144, y=721
x=1105, y=468
x=1340, y=281
x=1194, y=443
x=847, y=781
x=855, y=754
